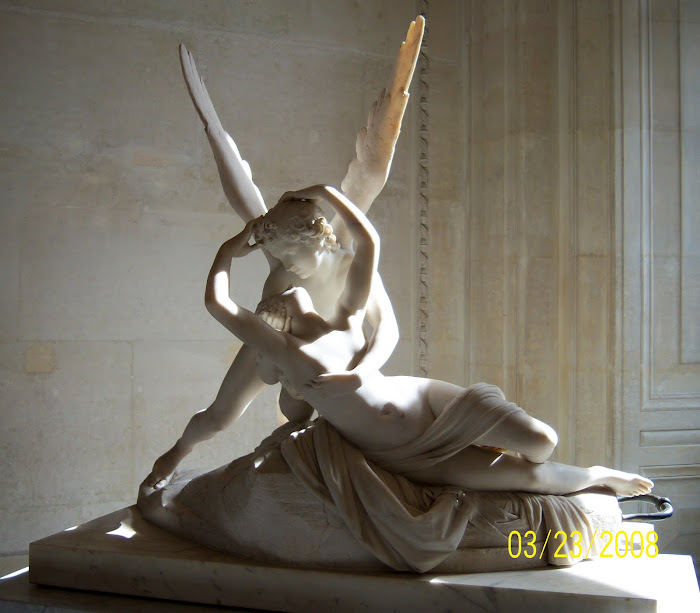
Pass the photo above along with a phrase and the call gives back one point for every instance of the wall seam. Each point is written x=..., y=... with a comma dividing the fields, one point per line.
x=424, y=220
x=466, y=62
x=573, y=425
x=520, y=206
x=612, y=241
x=681, y=191
x=617, y=391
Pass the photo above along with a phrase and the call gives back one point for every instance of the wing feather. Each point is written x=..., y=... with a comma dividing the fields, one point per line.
x=375, y=144
x=235, y=174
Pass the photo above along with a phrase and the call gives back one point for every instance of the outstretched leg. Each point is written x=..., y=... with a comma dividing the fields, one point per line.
x=481, y=469
x=238, y=389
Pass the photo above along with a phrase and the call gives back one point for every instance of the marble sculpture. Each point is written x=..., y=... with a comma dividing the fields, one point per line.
x=399, y=472
x=291, y=263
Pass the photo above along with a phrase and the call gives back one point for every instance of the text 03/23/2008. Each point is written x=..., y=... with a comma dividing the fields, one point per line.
x=624, y=543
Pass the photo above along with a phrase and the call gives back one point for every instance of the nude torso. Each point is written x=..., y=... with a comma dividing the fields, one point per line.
x=386, y=411
x=383, y=413
x=324, y=289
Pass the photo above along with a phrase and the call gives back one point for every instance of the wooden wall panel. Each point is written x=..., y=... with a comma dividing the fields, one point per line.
x=660, y=377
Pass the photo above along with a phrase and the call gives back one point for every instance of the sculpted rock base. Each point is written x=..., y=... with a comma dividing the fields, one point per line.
x=124, y=554
x=257, y=508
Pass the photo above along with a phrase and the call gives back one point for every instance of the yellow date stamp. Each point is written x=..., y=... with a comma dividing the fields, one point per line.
x=617, y=544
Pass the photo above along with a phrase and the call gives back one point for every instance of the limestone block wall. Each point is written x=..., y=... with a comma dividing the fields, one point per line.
x=522, y=213
x=111, y=211
x=556, y=234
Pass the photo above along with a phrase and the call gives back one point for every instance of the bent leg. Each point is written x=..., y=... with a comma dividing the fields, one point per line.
x=475, y=468
x=481, y=469
x=239, y=387
x=518, y=432
x=524, y=434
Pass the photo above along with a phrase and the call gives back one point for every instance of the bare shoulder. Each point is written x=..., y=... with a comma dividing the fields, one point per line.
x=277, y=281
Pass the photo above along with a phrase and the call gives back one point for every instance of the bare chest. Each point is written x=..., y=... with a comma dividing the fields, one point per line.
x=324, y=289
x=335, y=351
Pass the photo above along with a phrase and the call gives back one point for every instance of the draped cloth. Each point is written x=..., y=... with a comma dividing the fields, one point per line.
x=467, y=417
x=415, y=527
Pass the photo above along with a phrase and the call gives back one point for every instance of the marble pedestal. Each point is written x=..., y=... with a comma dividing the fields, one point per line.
x=123, y=554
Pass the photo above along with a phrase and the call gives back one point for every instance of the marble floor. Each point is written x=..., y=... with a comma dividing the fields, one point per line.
x=119, y=554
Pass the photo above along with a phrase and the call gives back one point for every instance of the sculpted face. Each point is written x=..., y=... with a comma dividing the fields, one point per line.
x=299, y=258
x=296, y=233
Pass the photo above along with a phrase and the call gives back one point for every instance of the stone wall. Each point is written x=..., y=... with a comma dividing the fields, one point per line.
x=522, y=213
x=538, y=245
x=111, y=211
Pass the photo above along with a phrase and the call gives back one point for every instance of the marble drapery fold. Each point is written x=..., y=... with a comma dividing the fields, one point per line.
x=308, y=498
x=409, y=526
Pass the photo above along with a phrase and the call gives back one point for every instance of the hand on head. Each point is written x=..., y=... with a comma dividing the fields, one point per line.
x=240, y=244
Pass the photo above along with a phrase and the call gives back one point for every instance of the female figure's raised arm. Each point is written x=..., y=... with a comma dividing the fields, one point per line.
x=247, y=326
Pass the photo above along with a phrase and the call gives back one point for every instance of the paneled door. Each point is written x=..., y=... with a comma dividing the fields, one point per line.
x=658, y=238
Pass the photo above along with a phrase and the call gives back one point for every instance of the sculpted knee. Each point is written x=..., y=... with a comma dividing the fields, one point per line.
x=542, y=441
x=548, y=438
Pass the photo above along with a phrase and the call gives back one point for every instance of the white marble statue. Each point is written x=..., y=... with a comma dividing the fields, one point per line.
x=400, y=473
x=319, y=266
x=397, y=472
x=384, y=416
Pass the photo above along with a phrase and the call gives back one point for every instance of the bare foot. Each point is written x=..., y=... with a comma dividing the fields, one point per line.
x=163, y=469
x=622, y=483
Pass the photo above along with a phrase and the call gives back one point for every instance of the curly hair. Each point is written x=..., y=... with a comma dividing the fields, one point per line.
x=294, y=221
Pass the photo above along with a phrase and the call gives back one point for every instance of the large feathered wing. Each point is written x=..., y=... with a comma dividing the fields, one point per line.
x=376, y=141
x=236, y=178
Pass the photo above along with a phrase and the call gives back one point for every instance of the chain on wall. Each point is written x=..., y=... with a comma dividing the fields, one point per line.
x=423, y=197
